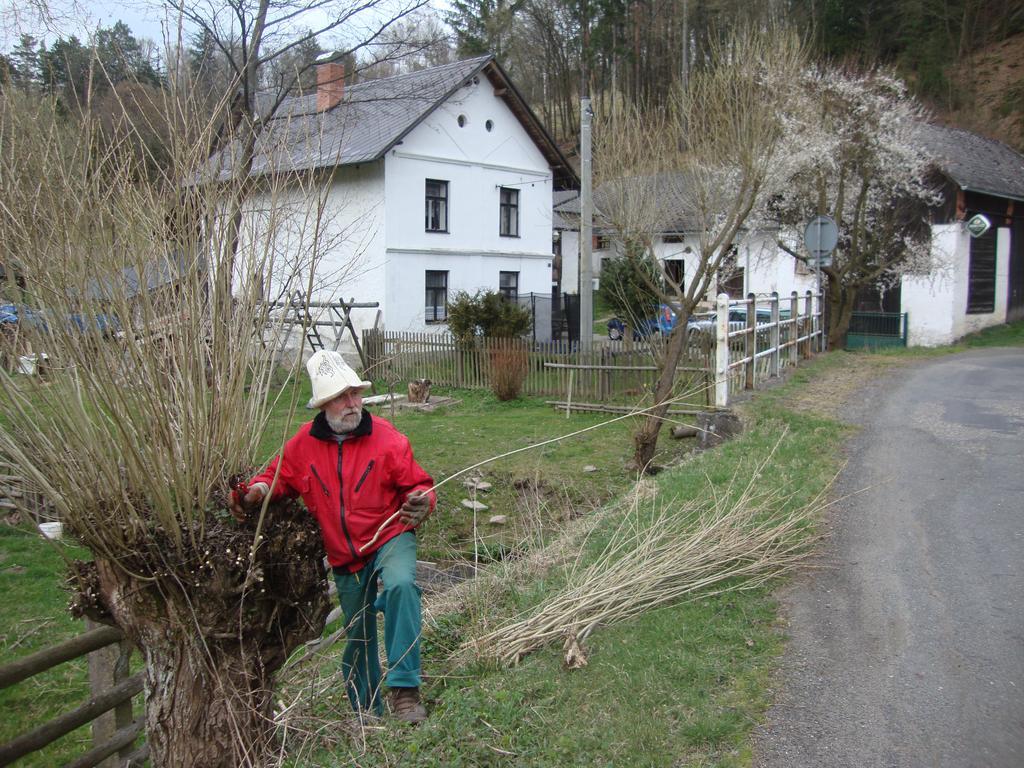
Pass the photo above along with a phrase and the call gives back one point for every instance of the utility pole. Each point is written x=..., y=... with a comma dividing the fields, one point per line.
x=685, y=73
x=586, y=230
x=586, y=198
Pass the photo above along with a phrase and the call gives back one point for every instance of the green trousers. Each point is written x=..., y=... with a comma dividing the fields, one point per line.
x=395, y=564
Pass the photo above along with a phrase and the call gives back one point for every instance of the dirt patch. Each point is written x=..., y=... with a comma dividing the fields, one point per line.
x=831, y=391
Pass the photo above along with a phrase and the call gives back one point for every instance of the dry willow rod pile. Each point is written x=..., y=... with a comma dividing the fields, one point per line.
x=719, y=544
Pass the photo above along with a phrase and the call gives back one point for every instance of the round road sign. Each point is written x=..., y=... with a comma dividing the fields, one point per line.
x=821, y=236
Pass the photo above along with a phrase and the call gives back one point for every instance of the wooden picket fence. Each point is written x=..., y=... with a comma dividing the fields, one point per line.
x=610, y=372
x=743, y=342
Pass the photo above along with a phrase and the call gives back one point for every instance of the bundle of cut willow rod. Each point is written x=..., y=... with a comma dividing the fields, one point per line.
x=723, y=543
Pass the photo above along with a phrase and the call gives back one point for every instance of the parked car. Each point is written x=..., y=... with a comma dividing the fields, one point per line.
x=641, y=330
x=27, y=317
x=737, y=318
x=19, y=314
x=663, y=322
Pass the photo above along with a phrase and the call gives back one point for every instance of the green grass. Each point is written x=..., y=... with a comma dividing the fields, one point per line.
x=683, y=685
x=34, y=610
x=1008, y=335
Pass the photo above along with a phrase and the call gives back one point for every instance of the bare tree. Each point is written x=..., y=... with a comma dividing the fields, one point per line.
x=711, y=160
x=156, y=388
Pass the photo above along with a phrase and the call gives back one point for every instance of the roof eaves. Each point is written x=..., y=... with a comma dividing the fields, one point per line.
x=992, y=193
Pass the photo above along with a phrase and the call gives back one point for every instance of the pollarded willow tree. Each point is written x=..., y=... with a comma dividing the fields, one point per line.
x=155, y=388
x=711, y=160
x=858, y=158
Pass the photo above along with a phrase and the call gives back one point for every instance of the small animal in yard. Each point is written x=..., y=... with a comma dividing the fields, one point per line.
x=419, y=391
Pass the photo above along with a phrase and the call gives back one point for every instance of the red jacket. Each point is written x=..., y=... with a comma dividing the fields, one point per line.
x=351, y=487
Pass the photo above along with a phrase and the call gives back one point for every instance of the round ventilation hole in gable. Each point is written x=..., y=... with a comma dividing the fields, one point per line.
x=489, y=125
x=462, y=120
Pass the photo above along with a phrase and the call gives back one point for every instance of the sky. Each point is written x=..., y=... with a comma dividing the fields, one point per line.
x=77, y=17
x=146, y=18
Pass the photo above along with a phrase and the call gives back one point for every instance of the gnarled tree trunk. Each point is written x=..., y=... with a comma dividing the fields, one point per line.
x=214, y=622
x=842, y=300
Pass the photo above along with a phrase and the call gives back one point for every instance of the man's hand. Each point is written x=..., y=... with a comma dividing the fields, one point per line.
x=416, y=509
x=252, y=498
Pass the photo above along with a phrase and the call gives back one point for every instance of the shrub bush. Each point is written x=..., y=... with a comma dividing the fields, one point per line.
x=486, y=314
x=509, y=366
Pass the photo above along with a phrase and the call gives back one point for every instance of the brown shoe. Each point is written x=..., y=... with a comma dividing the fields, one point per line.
x=406, y=706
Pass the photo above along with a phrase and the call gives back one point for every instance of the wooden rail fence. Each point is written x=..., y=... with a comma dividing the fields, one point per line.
x=114, y=727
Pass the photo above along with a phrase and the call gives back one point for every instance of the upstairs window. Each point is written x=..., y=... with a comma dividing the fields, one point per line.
x=509, y=214
x=436, y=310
x=508, y=285
x=437, y=206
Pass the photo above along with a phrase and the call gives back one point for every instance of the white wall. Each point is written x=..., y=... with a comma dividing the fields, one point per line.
x=766, y=267
x=936, y=304
x=334, y=227
x=929, y=300
x=476, y=163
x=406, y=281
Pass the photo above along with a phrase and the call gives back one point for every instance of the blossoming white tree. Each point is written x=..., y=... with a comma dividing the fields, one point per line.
x=854, y=156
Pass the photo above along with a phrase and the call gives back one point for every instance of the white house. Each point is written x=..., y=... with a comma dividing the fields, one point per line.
x=977, y=282
x=981, y=279
x=757, y=264
x=429, y=183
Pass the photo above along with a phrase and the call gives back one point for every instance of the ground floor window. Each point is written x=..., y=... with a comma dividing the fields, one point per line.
x=437, y=296
x=675, y=270
x=981, y=275
x=508, y=285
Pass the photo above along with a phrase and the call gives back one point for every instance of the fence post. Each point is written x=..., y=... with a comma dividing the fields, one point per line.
x=107, y=667
x=809, y=308
x=794, y=316
x=605, y=387
x=750, y=342
x=775, y=364
x=823, y=339
x=722, y=351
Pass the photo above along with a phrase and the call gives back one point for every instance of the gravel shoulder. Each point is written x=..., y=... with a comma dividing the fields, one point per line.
x=906, y=648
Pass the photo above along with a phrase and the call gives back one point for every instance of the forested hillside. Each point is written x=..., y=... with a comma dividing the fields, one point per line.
x=956, y=54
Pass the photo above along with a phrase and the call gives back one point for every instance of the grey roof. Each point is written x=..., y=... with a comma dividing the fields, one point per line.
x=559, y=198
x=665, y=188
x=975, y=163
x=372, y=117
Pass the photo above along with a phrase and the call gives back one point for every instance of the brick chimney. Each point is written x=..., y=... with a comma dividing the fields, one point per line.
x=330, y=85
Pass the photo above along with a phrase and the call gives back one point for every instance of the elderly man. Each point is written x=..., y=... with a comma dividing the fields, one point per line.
x=354, y=471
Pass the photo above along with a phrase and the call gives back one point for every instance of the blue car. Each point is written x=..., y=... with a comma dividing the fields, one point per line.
x=662, y=323
x=15, y=314
x=27, y=317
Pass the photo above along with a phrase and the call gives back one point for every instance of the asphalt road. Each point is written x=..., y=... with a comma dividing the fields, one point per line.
x=908, y=649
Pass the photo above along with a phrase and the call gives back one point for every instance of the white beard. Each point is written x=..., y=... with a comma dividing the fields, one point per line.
x=344, y=424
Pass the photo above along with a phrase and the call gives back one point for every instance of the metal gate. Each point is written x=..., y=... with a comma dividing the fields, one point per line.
x=871, y=330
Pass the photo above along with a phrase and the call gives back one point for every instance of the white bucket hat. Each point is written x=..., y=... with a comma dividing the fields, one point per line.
x=330, y=376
